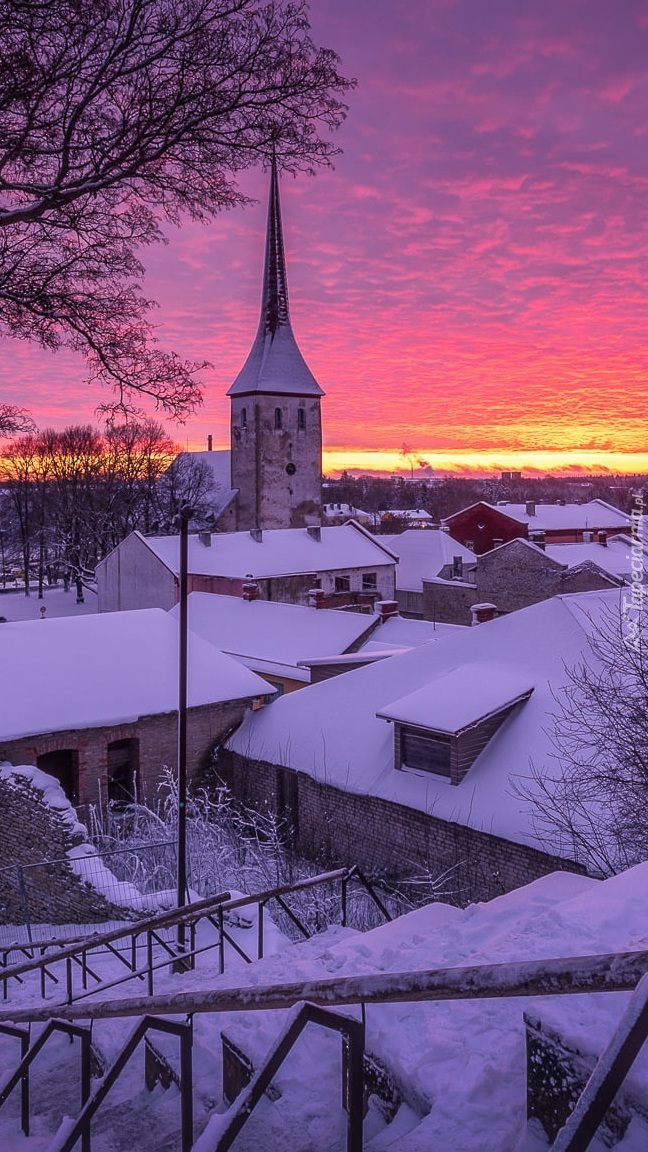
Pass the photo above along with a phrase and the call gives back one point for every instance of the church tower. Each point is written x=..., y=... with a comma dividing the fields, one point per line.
x=276, y=426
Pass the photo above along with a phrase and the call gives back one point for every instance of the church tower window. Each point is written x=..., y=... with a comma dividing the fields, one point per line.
x=243, y=417
x=278, y=423
x=301, y=419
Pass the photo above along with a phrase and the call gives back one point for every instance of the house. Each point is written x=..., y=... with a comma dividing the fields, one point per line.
x=484, y=526
x=346, y=564
x=92, y=700
x=341, y=513
x=405, y=517
x=425, y=554
x=410, y=764
x=520, y=573
x=389, y=635
x=274, y=639
x=613, y=554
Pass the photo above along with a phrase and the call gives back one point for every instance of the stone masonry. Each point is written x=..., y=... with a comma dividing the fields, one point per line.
x=338, y=828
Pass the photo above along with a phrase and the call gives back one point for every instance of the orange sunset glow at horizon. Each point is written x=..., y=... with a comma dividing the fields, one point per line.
x=468, y=284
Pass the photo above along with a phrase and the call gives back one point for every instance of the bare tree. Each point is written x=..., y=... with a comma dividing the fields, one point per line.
x=591, y=797
x=118, y=116
x=14, y=420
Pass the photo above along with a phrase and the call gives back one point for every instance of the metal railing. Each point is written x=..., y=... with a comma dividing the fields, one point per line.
x=124, y=942
x=618, y=972
x=29, y=1052
x=353, y=1038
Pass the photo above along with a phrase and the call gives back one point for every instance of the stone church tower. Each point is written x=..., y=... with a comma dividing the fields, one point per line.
x=276, y=426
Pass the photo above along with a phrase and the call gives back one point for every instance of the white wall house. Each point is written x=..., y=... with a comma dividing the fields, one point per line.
x=345, y=563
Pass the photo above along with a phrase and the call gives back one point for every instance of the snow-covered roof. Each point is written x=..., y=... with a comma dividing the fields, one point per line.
x=406, y=514
x=424, y=554
x=593, y=515
x=460, y=699
x=332, y=732
x=399, y=633
x=279, y=552
x=272, y=637
x=615, y=557
x=338, y=509
x=106, y=669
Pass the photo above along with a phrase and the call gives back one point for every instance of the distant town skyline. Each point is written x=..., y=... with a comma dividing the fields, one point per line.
x=468, y=283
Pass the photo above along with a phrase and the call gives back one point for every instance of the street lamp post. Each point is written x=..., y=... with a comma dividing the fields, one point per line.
x=185, y=516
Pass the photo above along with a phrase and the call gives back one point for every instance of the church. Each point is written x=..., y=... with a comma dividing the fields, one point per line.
x=274, y=478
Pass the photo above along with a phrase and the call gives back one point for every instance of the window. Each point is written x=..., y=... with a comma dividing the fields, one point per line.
x=243, y=417
x=278, y=424
x=342, y=584
x=301, y=419
x=369, y=581
x=425, y=753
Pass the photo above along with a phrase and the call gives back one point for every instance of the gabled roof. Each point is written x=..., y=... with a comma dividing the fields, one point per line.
x=332, y=732
x=594, y=514
x=275, y=363
x=547, y=517
x=273, y=637
x=615, y=557
x=106, y=669
x=502, y=510
x=461, y=699
x=279, y=552
x=423, y=555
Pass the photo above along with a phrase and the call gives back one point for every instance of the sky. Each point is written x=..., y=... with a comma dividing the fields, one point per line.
x=468, y=283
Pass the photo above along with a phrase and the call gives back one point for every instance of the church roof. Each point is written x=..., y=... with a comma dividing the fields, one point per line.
x=275, y=363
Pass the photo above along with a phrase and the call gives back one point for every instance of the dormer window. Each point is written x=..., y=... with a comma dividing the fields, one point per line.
x=442, y=728
x=277, y=420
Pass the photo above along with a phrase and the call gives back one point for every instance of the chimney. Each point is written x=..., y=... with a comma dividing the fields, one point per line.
x=257, y=535
x=482, y=613
x=250, y=590
x=388, y=610
x=209, y=442
x=602, y=539
x=205, y=538
x=457, y=567
x=315, y=532
x=315, y=598
x=530, y=508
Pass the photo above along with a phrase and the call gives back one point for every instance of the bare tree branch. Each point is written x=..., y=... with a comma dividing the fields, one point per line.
x=590, y=799
x=118, y=116
x=14, y=420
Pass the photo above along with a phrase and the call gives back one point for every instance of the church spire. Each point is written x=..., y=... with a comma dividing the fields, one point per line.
x=275, y=363
x=274, y=302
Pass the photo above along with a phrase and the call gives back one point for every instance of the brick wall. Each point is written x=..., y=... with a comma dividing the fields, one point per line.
x=158, y=746
x=516, y=575
x=33, y=833
x=449, y=603
x=340, y=828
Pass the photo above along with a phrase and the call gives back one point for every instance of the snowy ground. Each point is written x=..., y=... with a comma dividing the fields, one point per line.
x=16, y=606
x=461, y=1065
